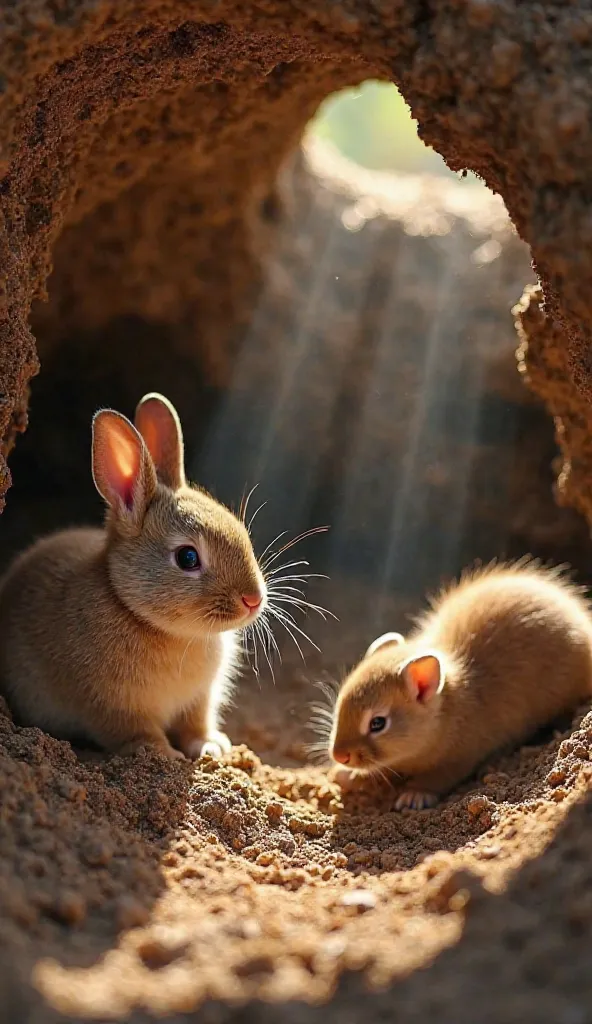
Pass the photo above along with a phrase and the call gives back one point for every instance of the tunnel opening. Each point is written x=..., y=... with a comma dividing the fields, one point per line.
x=372, y=126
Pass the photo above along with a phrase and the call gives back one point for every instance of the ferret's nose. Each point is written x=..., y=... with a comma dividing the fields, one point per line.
x=252, y=601
x=343, y=756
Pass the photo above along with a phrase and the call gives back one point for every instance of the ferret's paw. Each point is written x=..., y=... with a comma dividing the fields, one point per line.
x=215, y=745
x=342, y=777
x=348, y=778
x=415, y=799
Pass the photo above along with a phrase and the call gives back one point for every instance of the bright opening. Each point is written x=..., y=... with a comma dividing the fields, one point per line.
x=372, y=126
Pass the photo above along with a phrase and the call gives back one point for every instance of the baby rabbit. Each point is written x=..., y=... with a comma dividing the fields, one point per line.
x=127, y=636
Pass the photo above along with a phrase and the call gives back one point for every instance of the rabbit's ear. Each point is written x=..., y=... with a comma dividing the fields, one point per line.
x=157, y=420
x=122, y=468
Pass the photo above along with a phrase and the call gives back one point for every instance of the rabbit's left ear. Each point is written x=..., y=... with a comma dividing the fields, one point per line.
x=122, y=468
x=157, y=420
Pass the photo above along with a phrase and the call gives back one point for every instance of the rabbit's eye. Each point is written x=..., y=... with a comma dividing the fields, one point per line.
x=187, y=558
x=378, y=724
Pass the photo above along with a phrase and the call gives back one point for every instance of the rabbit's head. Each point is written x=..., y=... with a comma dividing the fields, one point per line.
x=175, y=557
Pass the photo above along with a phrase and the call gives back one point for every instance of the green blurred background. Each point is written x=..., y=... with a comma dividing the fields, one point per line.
x=372, y=125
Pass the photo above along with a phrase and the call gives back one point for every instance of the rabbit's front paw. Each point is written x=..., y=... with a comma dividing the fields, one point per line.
x=174, y=755
x=215, y=745
x=154, y=744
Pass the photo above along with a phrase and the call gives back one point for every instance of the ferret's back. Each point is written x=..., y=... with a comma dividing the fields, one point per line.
x=522, y=614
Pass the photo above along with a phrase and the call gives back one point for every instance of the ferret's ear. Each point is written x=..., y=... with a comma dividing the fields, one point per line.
x=384, y=641
x=424, y=676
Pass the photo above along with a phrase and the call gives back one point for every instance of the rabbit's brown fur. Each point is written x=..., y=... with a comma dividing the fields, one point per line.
x=102, y=635
x=498, y=656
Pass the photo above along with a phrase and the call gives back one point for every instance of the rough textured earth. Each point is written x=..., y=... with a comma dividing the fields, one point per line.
x=132, y=889
x=139, y=152
x=136, y=141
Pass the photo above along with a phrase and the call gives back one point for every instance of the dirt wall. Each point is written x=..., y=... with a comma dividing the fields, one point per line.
x=157, y=133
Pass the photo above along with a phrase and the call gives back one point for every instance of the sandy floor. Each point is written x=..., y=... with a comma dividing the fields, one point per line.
x=131, y=889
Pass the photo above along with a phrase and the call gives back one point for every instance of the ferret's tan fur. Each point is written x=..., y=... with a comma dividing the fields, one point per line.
x=102, y=636
x=515, y=646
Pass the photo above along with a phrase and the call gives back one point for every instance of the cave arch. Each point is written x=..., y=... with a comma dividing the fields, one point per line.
x=133, y=139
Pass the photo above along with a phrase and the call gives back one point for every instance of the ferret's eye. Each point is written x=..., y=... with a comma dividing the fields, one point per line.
x=378, y=724
x=187, y=558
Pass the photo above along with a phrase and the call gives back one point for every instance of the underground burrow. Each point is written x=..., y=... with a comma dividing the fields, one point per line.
x=130, y=891
x=133, y=888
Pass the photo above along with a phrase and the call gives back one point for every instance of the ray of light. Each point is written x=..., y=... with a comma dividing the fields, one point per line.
x=436, y=365
x=470, y=400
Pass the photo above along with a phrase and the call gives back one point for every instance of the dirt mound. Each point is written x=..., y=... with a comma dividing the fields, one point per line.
x=136, y=888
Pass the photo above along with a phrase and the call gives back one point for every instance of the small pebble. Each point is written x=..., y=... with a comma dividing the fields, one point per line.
x=97, y=853
x=69, y=908
x=161, y=948
x=255, y=965
x=477, y=804
x=334, y=946
x=359, y=899
x=489, y=852
x=556, y=777
x=131, y=913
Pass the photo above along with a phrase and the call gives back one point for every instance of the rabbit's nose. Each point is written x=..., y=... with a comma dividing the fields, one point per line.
x=342, y=756
x=252, y=601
